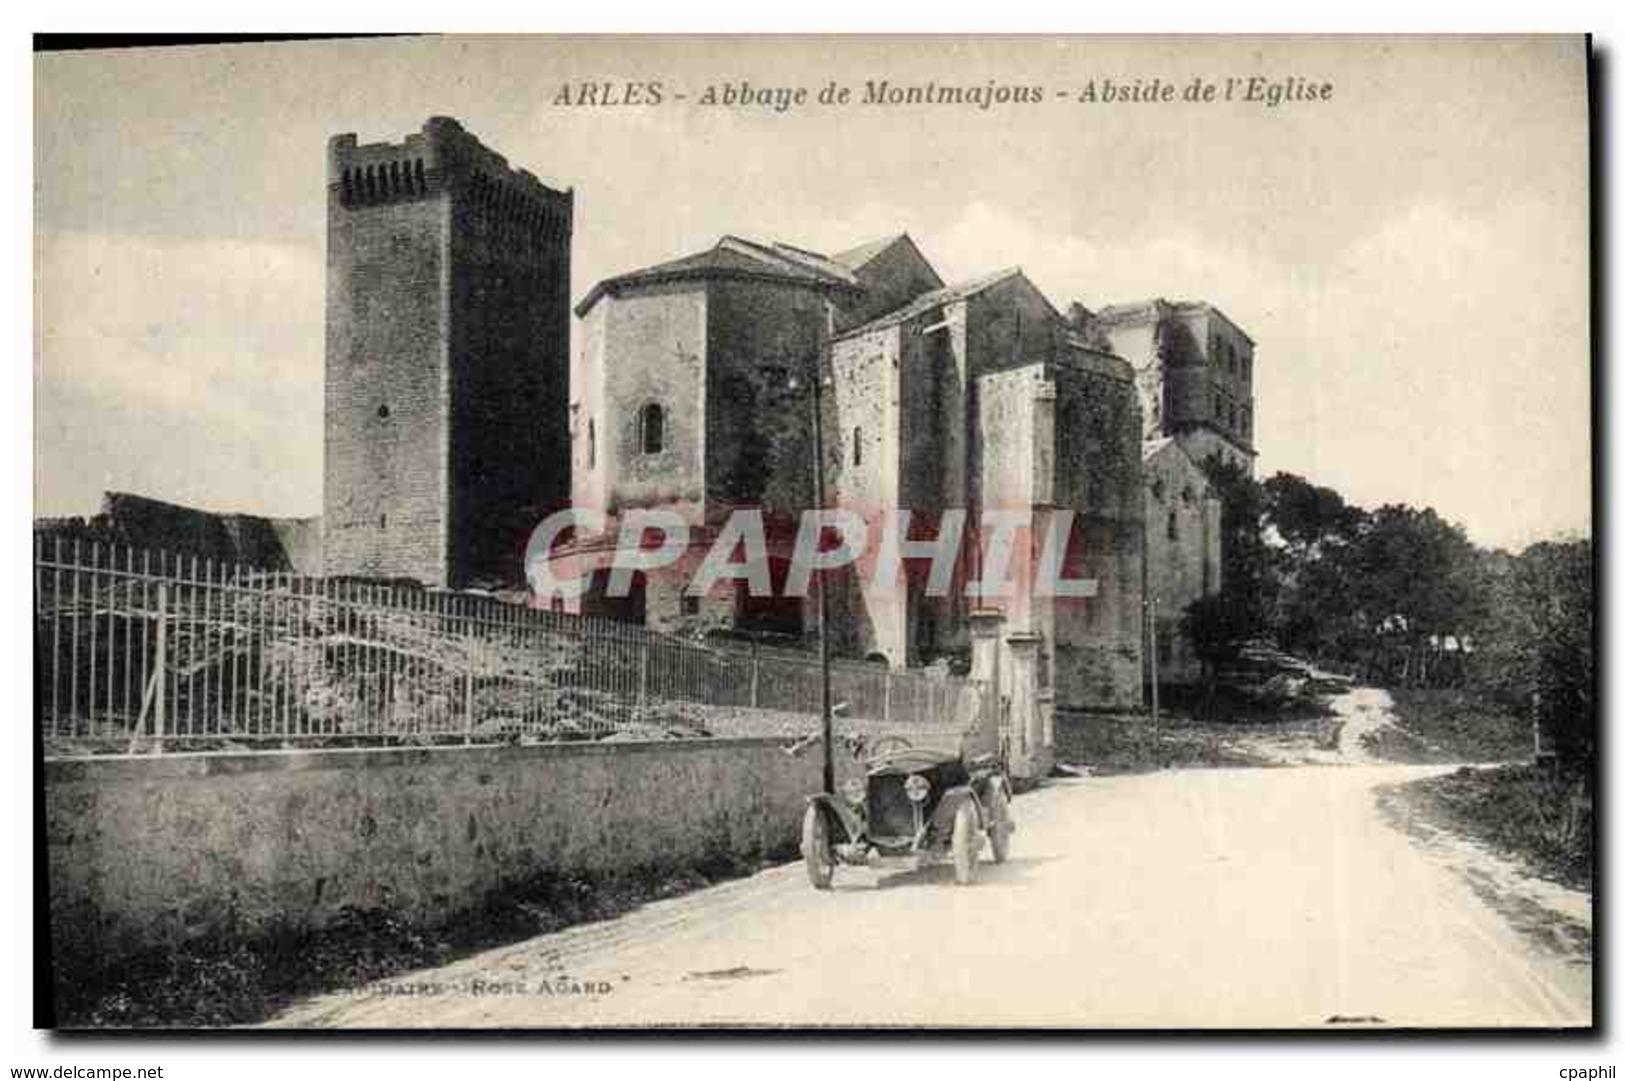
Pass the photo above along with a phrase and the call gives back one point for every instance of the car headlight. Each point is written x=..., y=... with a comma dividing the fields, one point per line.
x=916, y=787
x=853, y=790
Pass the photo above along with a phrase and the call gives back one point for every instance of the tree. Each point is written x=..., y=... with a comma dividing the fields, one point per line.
x=1247, y=577
x=1417, y=579
x=1211, y=626
x=1537, y=638
x=1315, y=531
x=1308, y=517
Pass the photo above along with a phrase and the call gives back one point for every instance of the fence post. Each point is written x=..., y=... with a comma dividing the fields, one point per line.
x=160, y=664
x=643, y=670
x=755, y=674
x=468, y=705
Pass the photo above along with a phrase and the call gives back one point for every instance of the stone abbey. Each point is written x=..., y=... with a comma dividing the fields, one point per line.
x=459, y=414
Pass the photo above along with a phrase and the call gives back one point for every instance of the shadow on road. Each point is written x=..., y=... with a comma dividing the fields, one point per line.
x=1012, y=872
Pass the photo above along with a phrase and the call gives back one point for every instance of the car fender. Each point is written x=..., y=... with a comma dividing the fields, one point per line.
x=986, y=785
x=942, y=819
x=839, y=815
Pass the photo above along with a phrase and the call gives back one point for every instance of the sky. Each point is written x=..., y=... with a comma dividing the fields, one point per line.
x=1411, y=257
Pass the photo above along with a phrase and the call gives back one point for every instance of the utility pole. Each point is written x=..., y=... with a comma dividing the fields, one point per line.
x=823, y=579
x=1151, y=626
x=1148, y=606
x=827, y=718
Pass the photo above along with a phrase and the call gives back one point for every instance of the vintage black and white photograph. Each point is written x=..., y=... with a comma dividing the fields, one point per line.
x=815, y=532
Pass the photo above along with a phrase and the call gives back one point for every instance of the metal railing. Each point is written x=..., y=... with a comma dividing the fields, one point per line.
x=139, y=650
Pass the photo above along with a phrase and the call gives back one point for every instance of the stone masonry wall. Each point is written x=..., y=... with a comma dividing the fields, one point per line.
x=149, y=853
x=386, y=420
x=1097, y=472
x=1179, y=513
x=510, y=321
x=758, y=430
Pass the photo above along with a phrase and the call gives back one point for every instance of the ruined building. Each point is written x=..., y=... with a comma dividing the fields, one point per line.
x=1182, y=553
x=141, y=528
x=691, y=389
x=448, y=329
x=1194, y=369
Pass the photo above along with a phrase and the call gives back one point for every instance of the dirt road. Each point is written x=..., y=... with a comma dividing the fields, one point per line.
x=1200, y=898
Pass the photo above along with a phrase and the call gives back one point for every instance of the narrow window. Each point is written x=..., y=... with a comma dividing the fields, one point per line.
x=592, y=445
x=857, y=446
x=652, y=428
x=1173, y=525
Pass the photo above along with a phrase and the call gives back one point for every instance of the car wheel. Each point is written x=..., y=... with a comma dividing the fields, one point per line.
x=967, y=839
x=998, y=832
x=815, y=849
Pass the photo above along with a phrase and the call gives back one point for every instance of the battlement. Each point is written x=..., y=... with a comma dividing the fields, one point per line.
x=443, y=157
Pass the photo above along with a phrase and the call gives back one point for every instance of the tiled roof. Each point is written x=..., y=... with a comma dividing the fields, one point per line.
x=816, y=260
x=856, y=257
x=936, y=298
x=731, y=257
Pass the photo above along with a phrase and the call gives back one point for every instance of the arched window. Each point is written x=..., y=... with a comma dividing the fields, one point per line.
x=857, y=446
x=652, y=429
x=592, y=445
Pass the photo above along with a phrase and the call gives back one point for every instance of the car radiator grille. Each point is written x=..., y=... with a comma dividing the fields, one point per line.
x=891, y=813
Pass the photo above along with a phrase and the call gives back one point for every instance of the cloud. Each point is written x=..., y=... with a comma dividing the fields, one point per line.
x=187, y=369
x=1439, y=359
x=1457, y=344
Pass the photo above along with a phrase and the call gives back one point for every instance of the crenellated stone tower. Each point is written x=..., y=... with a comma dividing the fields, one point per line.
x=448, y=327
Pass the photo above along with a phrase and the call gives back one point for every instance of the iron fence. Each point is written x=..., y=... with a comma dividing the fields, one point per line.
x=139, y=650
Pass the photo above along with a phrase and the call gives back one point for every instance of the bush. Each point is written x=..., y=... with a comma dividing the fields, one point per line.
x=1539, y=818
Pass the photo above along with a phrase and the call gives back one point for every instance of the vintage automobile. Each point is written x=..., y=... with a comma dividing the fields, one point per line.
x=914, y=807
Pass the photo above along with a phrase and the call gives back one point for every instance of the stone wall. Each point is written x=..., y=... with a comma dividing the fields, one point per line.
x=1181, y=553
x=1194, y=368
x=1204, y=443
x=149, y=853
x=1012, y=324
x=893, y=277
x=1097, y=472
x=758, y=430
x=865, y=414
x=509, y=303
x=384, y=466
x=152, y=525
x=652, y=353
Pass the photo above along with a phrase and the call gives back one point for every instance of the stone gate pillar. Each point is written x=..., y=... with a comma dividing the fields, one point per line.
x=986, y=627
x=1031, y=754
